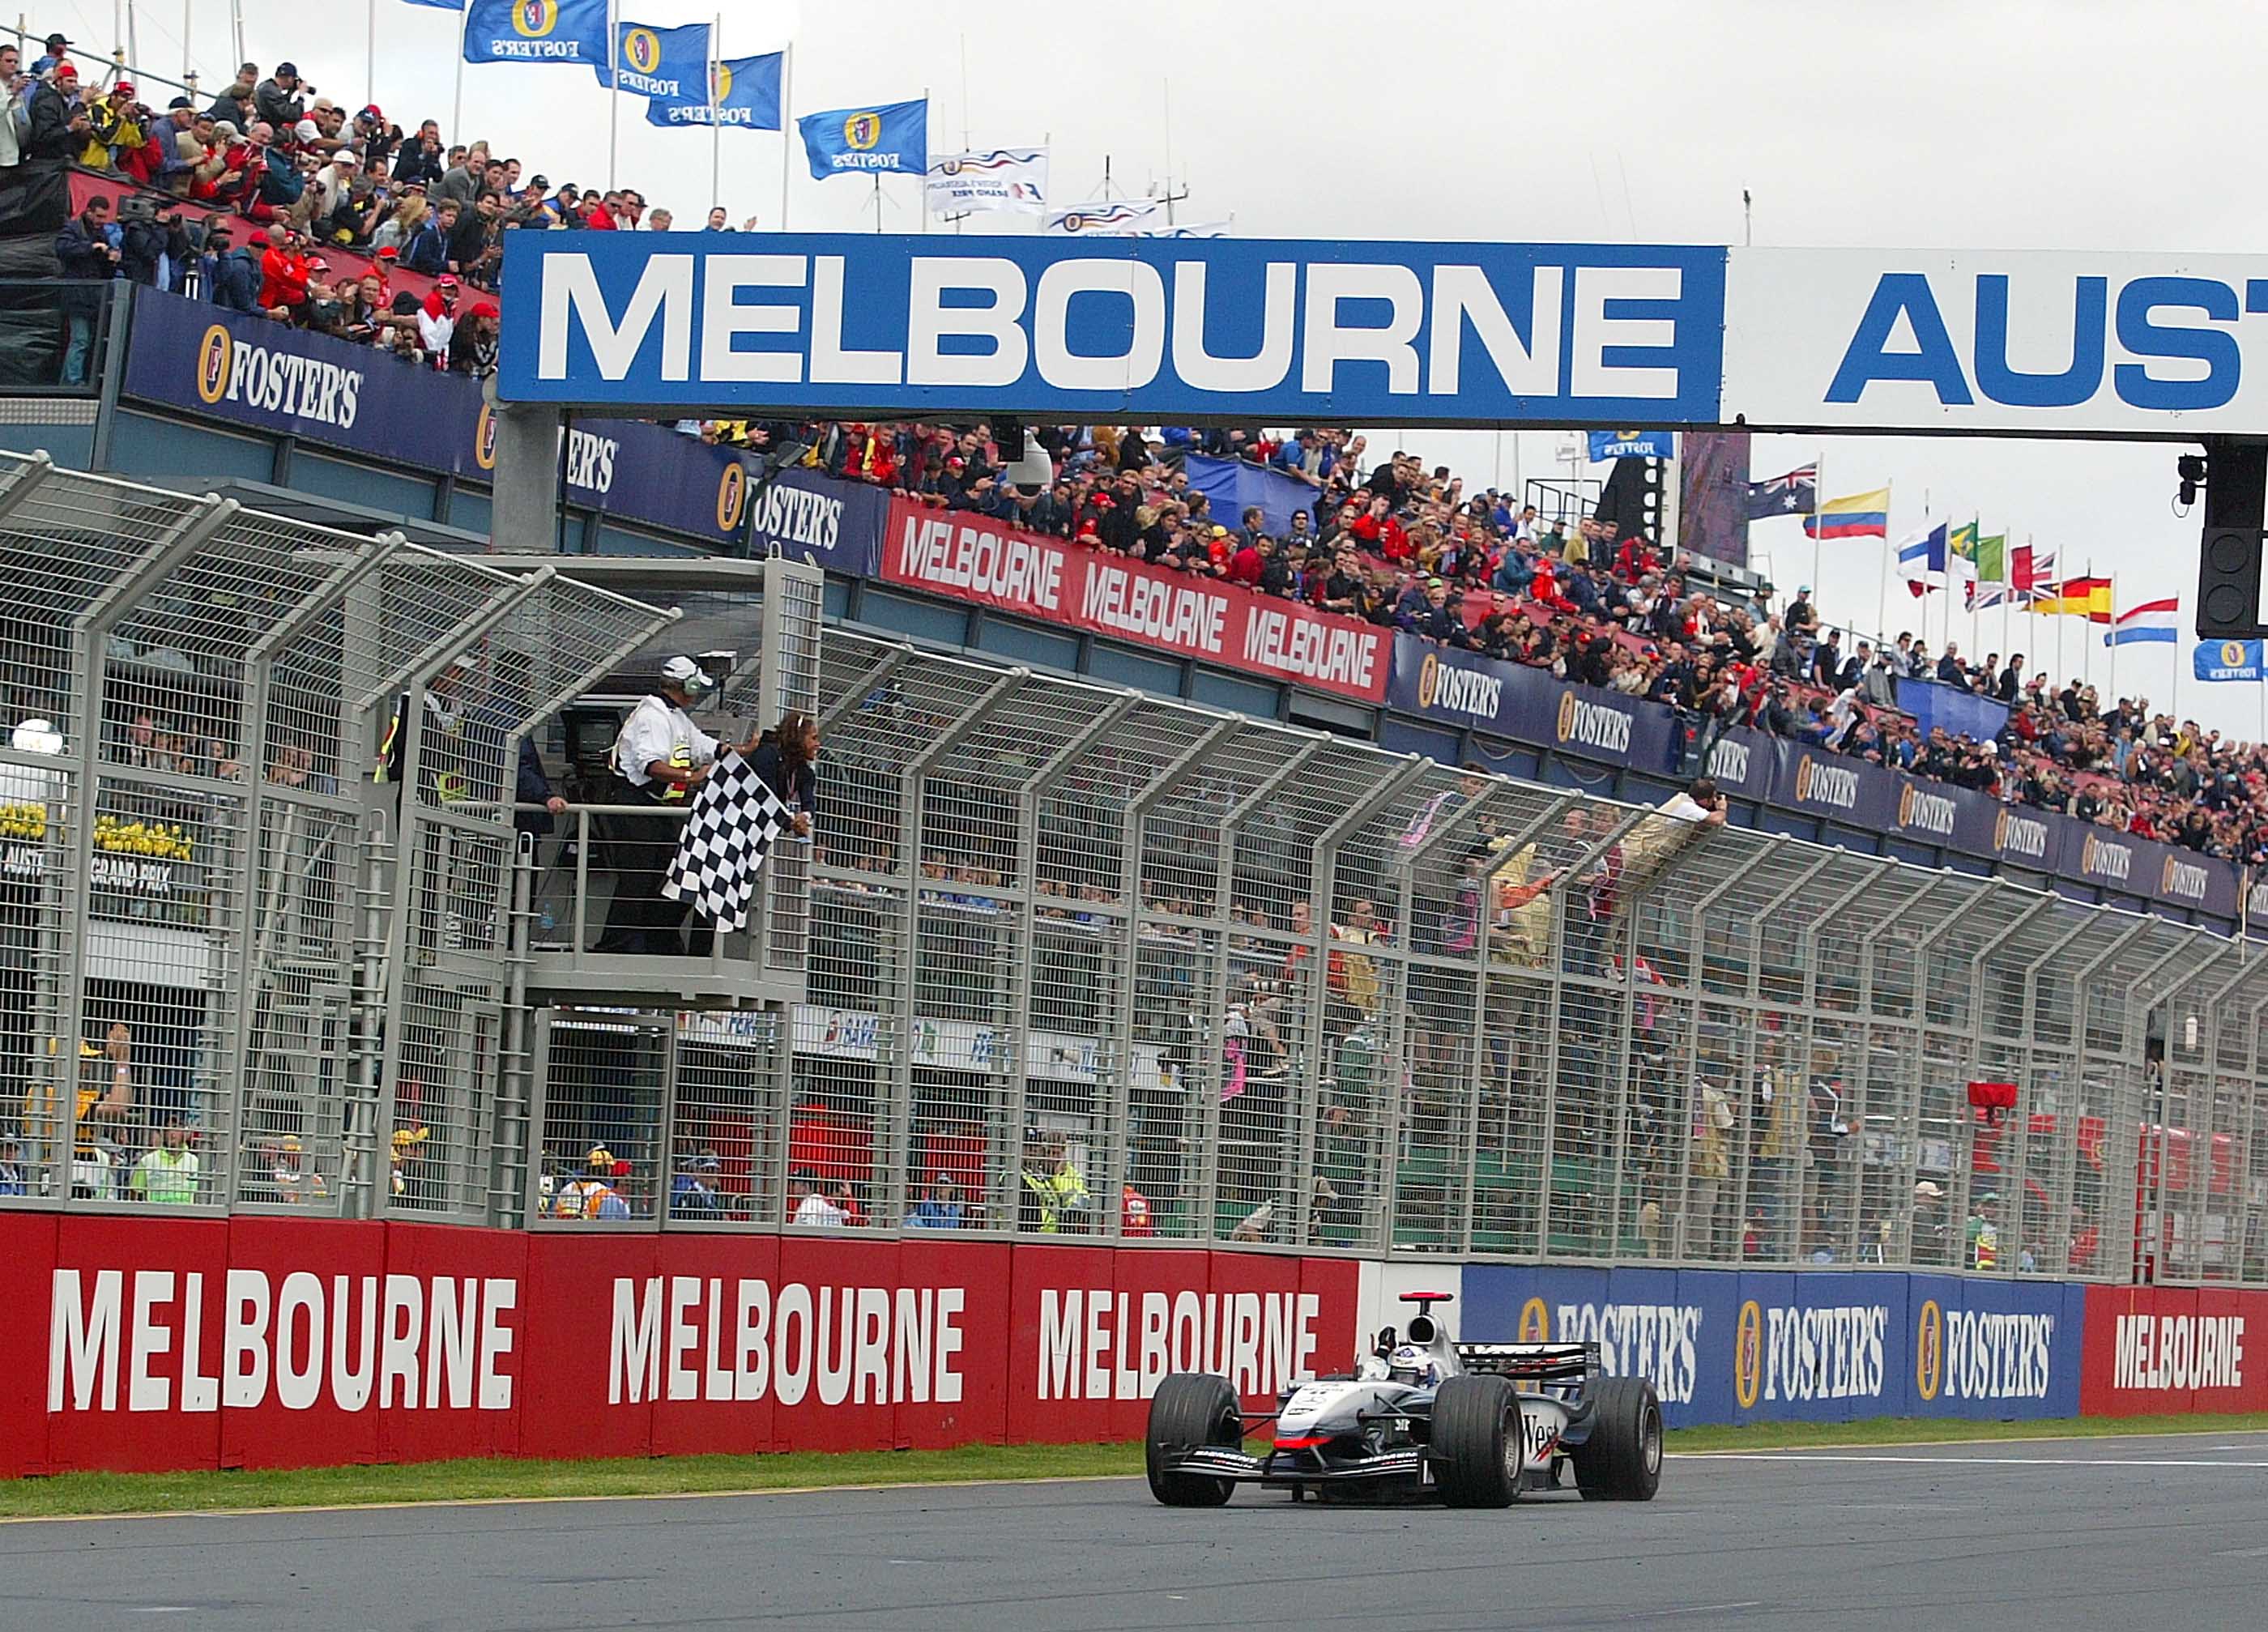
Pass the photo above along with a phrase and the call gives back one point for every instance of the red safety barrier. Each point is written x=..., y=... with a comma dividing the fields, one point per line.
x=272, y=1343
x=2166, y=1350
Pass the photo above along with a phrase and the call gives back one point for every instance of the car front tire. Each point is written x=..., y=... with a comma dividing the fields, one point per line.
x=1192, y=1409
x=1476, y=1443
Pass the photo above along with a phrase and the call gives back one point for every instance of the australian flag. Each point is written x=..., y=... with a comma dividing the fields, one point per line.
x=1795, y=494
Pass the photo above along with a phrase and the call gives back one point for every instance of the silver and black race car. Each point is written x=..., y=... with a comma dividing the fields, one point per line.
x=1423, y=1418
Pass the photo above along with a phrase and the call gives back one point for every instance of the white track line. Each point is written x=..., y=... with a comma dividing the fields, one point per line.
x=1965, y=1461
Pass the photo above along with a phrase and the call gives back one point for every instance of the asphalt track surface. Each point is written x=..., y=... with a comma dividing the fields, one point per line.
x=2164, y=1533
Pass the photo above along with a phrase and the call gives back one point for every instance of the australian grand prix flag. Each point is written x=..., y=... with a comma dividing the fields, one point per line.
x=891, y=137
x=668, y=62
x=536, y=30
x=728, y=832
x=746, y=96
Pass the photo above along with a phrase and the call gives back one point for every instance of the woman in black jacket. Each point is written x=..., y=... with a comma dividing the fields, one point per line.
x=785, y=758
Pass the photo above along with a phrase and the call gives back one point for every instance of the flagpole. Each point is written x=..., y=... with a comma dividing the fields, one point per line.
x=878, y=201
x=370, y=51
x=614, y=99
x=787, y=125
x=457, y=99
x=1883, y=590
x=1818, y=487
x=2114, y=634
x=924, y=180
x=716, y=117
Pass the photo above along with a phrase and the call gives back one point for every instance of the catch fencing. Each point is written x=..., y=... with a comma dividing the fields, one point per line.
x=1088, y=962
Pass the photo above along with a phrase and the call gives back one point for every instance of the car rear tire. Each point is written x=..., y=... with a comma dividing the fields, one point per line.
x=1192, y=1409
x=1476, y=1445
x=1622, y=1460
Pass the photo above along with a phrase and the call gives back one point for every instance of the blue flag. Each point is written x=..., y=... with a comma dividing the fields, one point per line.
x=748, y=95
x=1632, y=445
x=2227, y=660
x=536, y=30
x=892, y=137
x=658, y=62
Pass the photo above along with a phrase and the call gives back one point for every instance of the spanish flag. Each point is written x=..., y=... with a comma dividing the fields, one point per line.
x=2075, y=598
x=1860, y=516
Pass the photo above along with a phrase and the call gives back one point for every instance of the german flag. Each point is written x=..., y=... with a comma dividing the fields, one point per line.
x=2075, y=598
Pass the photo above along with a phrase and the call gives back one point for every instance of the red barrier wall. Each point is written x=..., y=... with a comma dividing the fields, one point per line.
x=2157, y=1351
x=266, y=1342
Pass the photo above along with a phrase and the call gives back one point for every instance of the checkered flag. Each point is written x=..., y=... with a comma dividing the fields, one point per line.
x=729, y=830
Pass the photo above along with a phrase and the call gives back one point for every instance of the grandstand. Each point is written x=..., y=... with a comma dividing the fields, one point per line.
x=1388, y=926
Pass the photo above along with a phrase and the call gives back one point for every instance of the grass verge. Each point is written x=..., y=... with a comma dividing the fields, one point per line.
x=81, y=1495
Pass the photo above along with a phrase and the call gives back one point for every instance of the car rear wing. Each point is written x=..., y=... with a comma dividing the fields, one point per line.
x=1532, y=1363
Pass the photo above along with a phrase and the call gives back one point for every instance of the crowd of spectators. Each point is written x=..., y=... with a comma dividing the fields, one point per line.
x=277, y=175
x=1400, y=545
x=289, y=173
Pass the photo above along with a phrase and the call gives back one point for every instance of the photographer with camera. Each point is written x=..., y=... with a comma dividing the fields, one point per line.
x=153, y=245
x=88, y=249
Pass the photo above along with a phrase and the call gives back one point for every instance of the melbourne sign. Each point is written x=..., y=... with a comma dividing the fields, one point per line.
x=975, y=558
x=1258, y=332
x=1371, y=333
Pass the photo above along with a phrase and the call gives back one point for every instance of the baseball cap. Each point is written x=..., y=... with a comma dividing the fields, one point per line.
x=600, y=1157
x=683, y=671
x=307, y=130
x=372, y=112
x=538, y=181
x=66, y=70
x=124, y=88
x=388, y=251
x=447, y=280
x=53, y=41
x=484, y=309
x=283, y=68
x=173, y=107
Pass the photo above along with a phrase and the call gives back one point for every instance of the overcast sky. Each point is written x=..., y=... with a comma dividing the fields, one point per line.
x=2075, y=125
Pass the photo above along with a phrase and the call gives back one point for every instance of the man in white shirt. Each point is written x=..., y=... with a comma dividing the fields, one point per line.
x=659, y=757
x=808, y=1203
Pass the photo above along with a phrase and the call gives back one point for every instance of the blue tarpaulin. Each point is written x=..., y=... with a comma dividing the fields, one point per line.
x=1961, y=713
x=1230, y=484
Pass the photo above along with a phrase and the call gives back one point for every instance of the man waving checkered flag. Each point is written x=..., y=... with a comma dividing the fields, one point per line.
x=729, y=829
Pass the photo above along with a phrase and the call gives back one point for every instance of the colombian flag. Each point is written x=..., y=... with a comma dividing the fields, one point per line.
x=1860, y=516
x=2075, y=598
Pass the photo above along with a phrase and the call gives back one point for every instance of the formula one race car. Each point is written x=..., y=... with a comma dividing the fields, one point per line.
x=1471, y=1424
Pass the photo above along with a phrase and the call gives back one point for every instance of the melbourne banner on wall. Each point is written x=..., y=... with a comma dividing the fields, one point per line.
x=974, y=558
x=189, y=356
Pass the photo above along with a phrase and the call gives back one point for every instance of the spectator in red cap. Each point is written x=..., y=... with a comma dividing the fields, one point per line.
x=436, y=321
x=473, y=347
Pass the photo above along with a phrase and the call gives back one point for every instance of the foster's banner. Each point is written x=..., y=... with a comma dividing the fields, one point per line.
x=198, y=358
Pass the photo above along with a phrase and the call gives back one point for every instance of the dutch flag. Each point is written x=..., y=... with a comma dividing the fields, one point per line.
x=2153, y=620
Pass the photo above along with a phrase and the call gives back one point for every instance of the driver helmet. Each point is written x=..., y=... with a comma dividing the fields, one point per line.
x=1410, y=1364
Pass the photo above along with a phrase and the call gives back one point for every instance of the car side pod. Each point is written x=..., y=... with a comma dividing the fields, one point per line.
x=1620, y=1460
x=1477, y=1447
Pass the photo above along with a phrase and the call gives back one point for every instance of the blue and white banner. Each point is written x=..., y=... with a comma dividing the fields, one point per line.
x=1107, y=217
x=1247, y=331
x=1607, y=444
x=2227, y=660
x=1012, y=179
x=2037, y=342
x=1191, y=229
x=536, y=30
x=748, y=97
x=888, y=138
x=671, y=64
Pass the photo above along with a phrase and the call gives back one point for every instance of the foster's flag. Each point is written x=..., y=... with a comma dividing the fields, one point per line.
x=537, y=30
x=886, y=139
